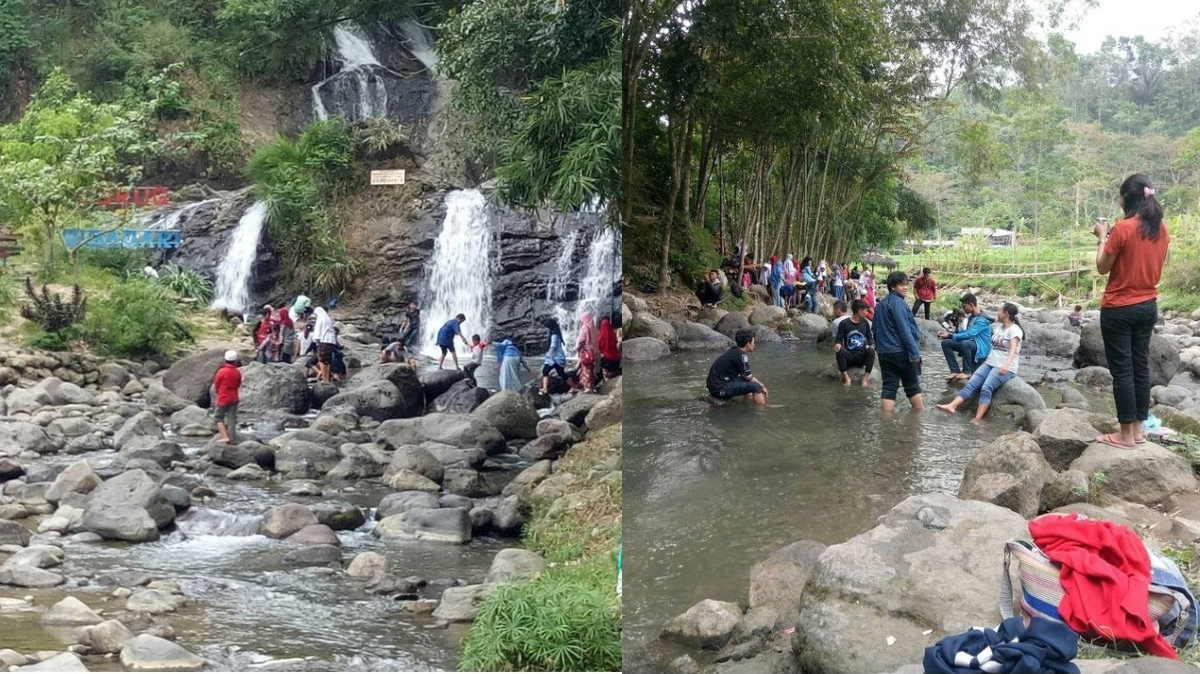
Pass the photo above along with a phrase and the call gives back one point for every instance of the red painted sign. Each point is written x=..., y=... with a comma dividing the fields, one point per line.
x=138, y=197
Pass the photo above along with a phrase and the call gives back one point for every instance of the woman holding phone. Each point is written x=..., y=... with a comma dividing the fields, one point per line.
x=1132, y=253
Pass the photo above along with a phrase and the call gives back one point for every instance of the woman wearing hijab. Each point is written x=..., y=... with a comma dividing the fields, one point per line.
x=610, y=355
x=789, y=281
x=810, y=284
x=776, y=281
x=509, y=359
x=555, y=359
x=585, y=348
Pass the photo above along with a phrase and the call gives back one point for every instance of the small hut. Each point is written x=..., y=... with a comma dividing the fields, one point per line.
x=874, y=259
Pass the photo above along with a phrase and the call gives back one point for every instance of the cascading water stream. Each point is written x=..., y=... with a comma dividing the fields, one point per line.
x=356, y=58
x=170, y=220
x=595, y=286
x=419, y=41
x=459, y=278
x=232, y=291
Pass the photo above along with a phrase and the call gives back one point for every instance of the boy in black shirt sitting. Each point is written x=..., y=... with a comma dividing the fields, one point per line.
x=730, y=376
x=854, y=345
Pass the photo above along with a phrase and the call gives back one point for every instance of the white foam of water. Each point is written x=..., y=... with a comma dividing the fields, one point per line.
x=419, y=41
x=595, y=286
x=458, y=278
x=353, y=46
x=232, y=291
x=353, y=51
x=166, y=220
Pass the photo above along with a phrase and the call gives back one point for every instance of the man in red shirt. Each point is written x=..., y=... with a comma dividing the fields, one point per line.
x=925, y=288
x=227, y=382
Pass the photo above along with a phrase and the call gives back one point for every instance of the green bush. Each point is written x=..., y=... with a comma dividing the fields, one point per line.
x=139, y=319
x=50, y=310
x=121, y=261
x=553, y=623
x=49, y=341
x=9, y=291
x=186, y=283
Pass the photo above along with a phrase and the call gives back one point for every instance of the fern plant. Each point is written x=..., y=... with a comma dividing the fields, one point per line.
x=50, y=311
x=186, y=283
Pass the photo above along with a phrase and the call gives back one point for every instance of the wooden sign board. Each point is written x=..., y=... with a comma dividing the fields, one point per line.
x=387, y=177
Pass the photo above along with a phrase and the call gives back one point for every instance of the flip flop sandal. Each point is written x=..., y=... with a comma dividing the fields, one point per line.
x=1109, y=440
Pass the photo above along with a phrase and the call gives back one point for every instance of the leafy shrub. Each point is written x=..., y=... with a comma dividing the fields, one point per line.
x=554, y=623
x=186, y=283
x=8, y=291
x=49, y=341
x=50, y=311
x=120, y=261
x=377, y=134
x=139, y=319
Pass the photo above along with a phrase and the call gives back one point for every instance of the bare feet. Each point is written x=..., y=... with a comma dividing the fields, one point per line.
x=223, y=441
x=948, y=407
x=846, y=380
x=866, y=380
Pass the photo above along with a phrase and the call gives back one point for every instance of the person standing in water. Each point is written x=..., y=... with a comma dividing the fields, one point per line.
x=925, y=288
x=1000, y=366
x=730, y=375
x=510, y=360
x=227, y=381
x=898, y=342
x=555, y=359
x=445, y=339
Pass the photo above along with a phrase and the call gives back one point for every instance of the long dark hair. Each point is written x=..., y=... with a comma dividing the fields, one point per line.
x=1012, y=310
x=1136, y=201
x=552, y=325
x=807, y=261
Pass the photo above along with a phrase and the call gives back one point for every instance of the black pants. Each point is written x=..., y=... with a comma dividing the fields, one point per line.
x=1126, y=332
x=917, y=305
x=897, y=369
x=864, y=359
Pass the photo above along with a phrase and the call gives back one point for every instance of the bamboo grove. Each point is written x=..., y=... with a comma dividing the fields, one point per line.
x=787, y=123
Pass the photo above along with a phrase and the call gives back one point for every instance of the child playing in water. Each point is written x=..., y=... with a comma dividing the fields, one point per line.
x=478, y=344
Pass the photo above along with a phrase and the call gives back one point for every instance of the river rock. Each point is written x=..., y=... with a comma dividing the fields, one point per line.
x=379, y=400
x=136, y=489
x=284, y=520
x=322, y=458
x=1175, y=396
x=510, y=414
x=810, y=326
x=507, y=517
x=446, y=525
x=249, y=473
x=1016, y=457
x=37, y=556
x=13, y=533
x=105, y=637
x=780, y=578
x=697, y=337
x=1094, y=376
x=1146, y=474
x=314, y=555
x=63, y=662
x=339, y=515
x=113, y=375
x=164, y=400
x=121, y=522
x=190, y=377
x=1073, y=399
x=1050, y=340
x=575, y=410
x=407, y=480
x=1063, y=435
x=71, y=611
x=411, y=393
x=140, y=430
x=1068, y=487
x=439, y=382
x=27, y=401
x=732, y=322
x=315, y=534
x=77, y=477
x=147, y=653
x=460, y=604
x=367, y=565
x=455, y=430
x=28, y=576
x=1164, y=358
x=69, y=427
x=10, y=469
x=154, y=601
x=20, y=436
x=645, y=324
x=461, y=398
x=527, y=479
x=707, y=625
x=273, y=386
x=321, y=392
x=160, y=452
x=465, y=481
x=896, y=580
x=607, y=412
x=515, y=564
x=645, y=348
x=768, y=315
x=417, y=460
x=403, y=501
x=1018, y=392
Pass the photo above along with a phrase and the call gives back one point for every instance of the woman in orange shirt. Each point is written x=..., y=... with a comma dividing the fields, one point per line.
x=1132, y=253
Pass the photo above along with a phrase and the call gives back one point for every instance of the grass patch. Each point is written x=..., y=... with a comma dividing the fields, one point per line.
x=1183, y=302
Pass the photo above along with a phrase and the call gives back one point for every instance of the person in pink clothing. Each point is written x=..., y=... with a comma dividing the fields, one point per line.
x=868, y=282
x=586, y=345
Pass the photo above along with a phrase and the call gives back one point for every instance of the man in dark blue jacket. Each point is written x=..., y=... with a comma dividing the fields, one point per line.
x=973, y=344
x=898, y=343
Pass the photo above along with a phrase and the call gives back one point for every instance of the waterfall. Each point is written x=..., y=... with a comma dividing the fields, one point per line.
x=419, y=43
x=166, y=220
x=459, y=279
x=356, y=59
x=232, y=291
x=594, y=287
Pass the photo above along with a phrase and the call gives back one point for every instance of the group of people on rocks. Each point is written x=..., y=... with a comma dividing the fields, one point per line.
x=984, y=353
x=791, y=285
x=279, y=339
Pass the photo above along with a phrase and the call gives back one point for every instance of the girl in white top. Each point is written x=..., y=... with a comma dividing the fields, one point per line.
x=1001, y=364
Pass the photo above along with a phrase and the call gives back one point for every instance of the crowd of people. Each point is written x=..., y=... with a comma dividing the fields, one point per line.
x=983, y=352
x=279, y=337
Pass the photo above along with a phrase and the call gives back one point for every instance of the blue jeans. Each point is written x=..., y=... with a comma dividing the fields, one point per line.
x=776, y=296
x=810, y=298
x=985, y=381
x=839, y=292
x=951, y=349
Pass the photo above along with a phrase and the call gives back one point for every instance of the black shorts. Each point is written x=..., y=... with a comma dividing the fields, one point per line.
x=324, y=352
x=898, y=370
x=554, y=367
x=739, y=387
x=446, y=349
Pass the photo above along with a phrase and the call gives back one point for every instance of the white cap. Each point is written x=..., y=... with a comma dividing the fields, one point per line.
x=231, y=356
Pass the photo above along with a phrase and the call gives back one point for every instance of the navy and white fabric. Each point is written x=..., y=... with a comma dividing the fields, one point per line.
x=1165, y=573
x=1044, y=646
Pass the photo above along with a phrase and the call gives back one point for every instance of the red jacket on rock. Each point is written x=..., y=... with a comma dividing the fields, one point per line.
x=227, y=382
x=1106, y=577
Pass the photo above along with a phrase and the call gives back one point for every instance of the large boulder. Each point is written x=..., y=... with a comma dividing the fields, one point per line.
x=1094, y=376
x=403, y=377
x=606, y=412
x=140, y=430
x=1146, y=474
x=1009, y=472
x=811, y=326
x=400, y=502
x=455, y=430
x=273, y=386
x=707, y=625
x=63, y=662
x=284, y=520
x=105, y=637
x=71, y=611
x=148, y=653
x=1018, y=392
x=512, y=564
x=20, y=436
x=780, y=578
x=460, y=604
x=131, y=490
x=121, y=523
x=161, y=452
x=445, y=525
x=13, y=533
x=380, y=400
x=931, y=563
x=1063, y=435
x=77, y=477
x=1164, y=358
x=415, y=459
x=697, y=337
x=461, y=398
x=732, y=322
x=1049, y=340
x=168, y=402
x=645, y=348
x=440, y=381
x=190, y=377
x=511, y=414
x=322, y=458
x=768, y=315
x=645, y=324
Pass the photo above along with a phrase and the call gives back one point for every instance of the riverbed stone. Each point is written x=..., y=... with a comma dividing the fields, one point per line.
x=407, y=480
x=147, y=653
x=11, y=658
x=284, y=520
x=1067, y=488
x=1063, y=435
x=780, y=578
x=139, y=430
x=77, y=477
x=460, y=604
x=810, y=326
x=1018, y=392
x=439, y=382
x=444, y=525
x=897, y=580
x=378, y=400
x=511, y=414
x=10, y=469
x=273, y=386
x=768, y=315
x=132, y=489
x=322, y=458
x=416, y=460
x=645, y=348
x=105, y=637
x=21, y=436
x=1146, y=474
x=707, y=625
x=463, y=397
x=367, y=565
x=646, y=324
x=315, y=534
x=606, y=413
x=1010, y=472
x=512, y=564
x=575, y=410
x=1094, y=376
x=154, y=601
x=455, y=430
x=698, y=337
x=465, y=481
x=70, y=611
x=249, y=473
x=29, y=576
x=193, y=415
x=161, y=452
x=190, y=377
x=63, y=662
x=339, y=515
x=314, y=555
x=402, y=501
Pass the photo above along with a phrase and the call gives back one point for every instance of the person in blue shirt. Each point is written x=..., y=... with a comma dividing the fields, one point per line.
x=555, y=359
x=508, y=360
x=897, y=343
x=445, y=339
x=974, y=343
x=810, y=284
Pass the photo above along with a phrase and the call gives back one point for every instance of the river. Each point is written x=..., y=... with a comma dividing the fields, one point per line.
x=708, y=492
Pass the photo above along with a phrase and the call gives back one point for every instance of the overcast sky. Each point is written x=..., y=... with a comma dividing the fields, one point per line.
x=1152, y=18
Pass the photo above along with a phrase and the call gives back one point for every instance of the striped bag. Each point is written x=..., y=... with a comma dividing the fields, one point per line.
x=1042, y=592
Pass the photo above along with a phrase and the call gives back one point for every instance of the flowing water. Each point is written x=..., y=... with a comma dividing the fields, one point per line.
x=419, y=41
x=593, y=290
x=459, y=278
x=170, y=219
x=232, y=290
x=356, y=60
x=709, y=492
